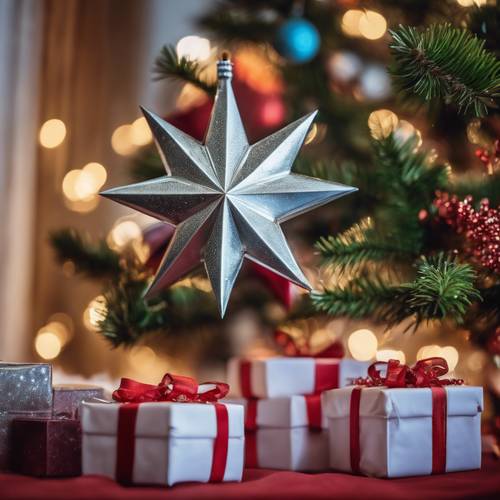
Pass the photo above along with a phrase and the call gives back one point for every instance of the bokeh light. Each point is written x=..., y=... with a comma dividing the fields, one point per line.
x=141, y=356
x=48, y=345
x=344, y=66
x=123, y=233
x=449, y=353
x=350, y=22
x=193, y=48
x=52, y=133
x=362, y=344
x=140, y=133
x=387, y=354
x=472, y=3
x=382, y=123
x=94, y=313
x=121, y=140
x=81, y=186
x=372, y=25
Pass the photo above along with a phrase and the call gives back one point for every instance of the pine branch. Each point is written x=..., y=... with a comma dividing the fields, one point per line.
x=95, y=260
x=127, y=316
x=486, y=186
x=147, y=165
x=168, y=65
x=358, y=245
x=442, y=289
x=361, y=298
x=446, y=63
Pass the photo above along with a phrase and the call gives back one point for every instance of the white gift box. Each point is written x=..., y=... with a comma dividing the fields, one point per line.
x=174, y=442
x=396, y=430
x=289, y=376
x=282, y=438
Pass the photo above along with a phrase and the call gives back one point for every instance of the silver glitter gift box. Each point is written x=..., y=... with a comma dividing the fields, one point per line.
x=25, y=391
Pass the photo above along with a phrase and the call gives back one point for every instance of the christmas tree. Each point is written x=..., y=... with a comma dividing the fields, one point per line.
x=419, y=242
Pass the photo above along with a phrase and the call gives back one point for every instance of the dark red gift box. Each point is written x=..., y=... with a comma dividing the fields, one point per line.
x=46, y=447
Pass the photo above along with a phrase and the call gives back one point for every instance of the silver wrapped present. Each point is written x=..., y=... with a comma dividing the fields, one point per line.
x=25, y=391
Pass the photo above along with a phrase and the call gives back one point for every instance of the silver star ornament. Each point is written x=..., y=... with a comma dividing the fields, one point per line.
x=227, y=198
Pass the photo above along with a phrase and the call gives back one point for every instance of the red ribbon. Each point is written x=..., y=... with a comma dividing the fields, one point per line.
x=173, y=388
x=314, y=418
x=425, y=373
x=291, y=348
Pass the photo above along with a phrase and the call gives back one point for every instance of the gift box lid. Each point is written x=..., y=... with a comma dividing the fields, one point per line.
x=285, y=376
x=402, y=402
x=26, y=387
x=162, y=419
x=281, y=412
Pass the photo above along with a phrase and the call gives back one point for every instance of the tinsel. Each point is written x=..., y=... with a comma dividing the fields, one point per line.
x=481, y=227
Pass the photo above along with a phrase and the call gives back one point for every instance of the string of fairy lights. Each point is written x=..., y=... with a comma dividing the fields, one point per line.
x=80, y=186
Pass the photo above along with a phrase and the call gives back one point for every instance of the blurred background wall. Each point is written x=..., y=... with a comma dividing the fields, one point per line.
x=87, y=63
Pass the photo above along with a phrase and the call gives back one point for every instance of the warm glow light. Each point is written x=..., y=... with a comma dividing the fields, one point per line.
x=58, y=329
x=140, y=133
x=69, y=183
x=123, y=233
x=372, y=25
x=387, y=354
x=94, y=313
x=471, y=3
x=141, y=356
x=476, y=361
x=382, y=123
x=362, y=344
x=449, y=353
x=193, y=48
x=47, y=345
x=80, y=187
x=311, y=135
x=83, y=206
x=121, y=140
x=189, y=97
x=350, y=22
x=97, y=173
x=52, y=133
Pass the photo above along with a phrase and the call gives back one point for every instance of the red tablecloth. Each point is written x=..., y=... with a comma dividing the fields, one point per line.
x=260, y=483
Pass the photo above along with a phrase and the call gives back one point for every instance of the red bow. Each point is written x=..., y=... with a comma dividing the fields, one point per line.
x=290, y=347
x=425, y=373
x=175, y=388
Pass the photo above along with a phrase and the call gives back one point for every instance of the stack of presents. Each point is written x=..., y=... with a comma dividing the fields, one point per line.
x=291, y=413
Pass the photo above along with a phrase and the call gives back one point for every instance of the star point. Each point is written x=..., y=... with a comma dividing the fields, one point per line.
x=227, y=198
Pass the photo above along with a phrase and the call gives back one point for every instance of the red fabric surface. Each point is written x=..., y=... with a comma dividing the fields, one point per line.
x=261, y=483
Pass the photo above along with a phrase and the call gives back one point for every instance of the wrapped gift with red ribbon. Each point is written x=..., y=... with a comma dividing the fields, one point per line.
x=405, y=421
x=288, y=433
x=164, y=434
x=301, y=371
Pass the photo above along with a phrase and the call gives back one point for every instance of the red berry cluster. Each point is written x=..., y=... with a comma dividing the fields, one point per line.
x=490, y=159
x=480, y=227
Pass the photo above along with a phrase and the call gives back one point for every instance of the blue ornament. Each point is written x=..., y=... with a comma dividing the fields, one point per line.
x=298, y=40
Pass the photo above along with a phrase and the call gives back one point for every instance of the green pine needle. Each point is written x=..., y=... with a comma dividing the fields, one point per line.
x=169, y=65
x=357, y=246
x=446, y=63
x=96, y=260
x=442, y=289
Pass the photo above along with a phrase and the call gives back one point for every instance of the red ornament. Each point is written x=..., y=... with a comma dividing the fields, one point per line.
x=481, y=228
x=494, y=343
x=262, y=112
x=490, y=159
